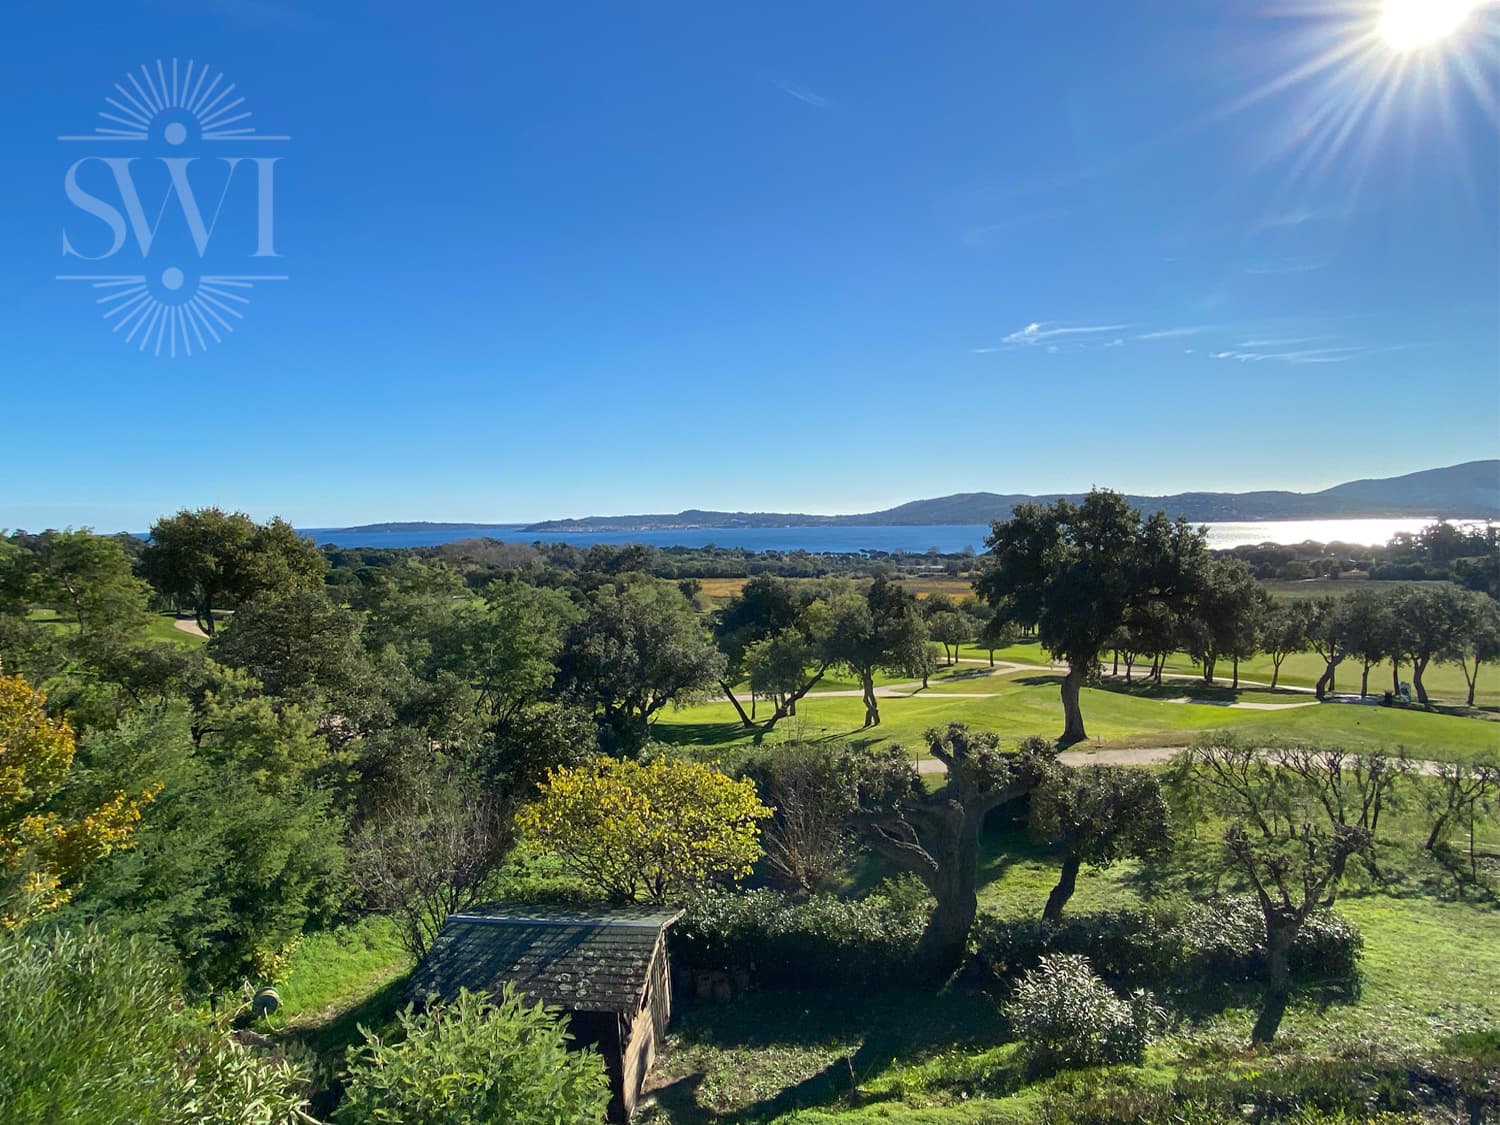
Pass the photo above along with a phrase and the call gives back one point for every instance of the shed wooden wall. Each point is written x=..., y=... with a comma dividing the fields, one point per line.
x=642, y=1035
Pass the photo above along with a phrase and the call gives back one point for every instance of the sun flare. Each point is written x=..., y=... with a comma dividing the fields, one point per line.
x=1409, y=24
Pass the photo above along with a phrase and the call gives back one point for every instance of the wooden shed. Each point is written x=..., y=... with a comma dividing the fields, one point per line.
x=607, y=968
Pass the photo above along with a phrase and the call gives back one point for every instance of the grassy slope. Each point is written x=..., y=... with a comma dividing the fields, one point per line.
x=1028, y=703
x=1431, y=966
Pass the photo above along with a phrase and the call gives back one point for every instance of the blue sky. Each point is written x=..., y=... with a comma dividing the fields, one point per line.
x=550, y=260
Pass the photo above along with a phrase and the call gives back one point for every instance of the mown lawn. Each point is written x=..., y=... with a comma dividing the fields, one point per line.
x=1028, y=703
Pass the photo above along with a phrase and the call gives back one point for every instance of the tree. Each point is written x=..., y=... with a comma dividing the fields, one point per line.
x=1288, y=837
x=647, y=831
x=236, y=855
x=996, y=632
x=883, y=630
x=637, y=649
x=1099, y=815
x=91, y=580
x=1283, y=632
x=207, y=557
x=1225, y=616
x=1328, y=635
x=301, y=647
x=428, y=854
x=1369, y=630
x=776, y=632
x=936, y=835
x=45, y=847
x=812, y=790
x=1076, y=570
x=951, y=629
x=1436, y=619
x=1478, y=643
x=476, y=1059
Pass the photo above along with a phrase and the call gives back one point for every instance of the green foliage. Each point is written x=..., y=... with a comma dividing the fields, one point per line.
x=813, y=791
x=474, y=1061
x=230, y=864
x=648, y=832
x=1067, y=1017
x=1226, y=941
x=817, y=942
x=637, y=649
x=207, y=558
x=92, y=1030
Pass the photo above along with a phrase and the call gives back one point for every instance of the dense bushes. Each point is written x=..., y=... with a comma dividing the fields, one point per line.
x=821, y=941
x=472, y=1061
x=1212, y=943
x=92, y=1030
x=1067, y=1017
x=1225, y=941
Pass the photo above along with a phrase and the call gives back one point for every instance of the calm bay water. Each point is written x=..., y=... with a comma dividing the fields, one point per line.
x=947, y=538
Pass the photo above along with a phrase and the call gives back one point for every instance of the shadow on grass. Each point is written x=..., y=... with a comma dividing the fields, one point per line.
x=900, y=1025
x=330, y=1041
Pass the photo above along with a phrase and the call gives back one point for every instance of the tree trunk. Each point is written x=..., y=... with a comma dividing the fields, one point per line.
x=745, y=719
x=1473, y=681
x=1279, y=937
x=203, y=613
x=1235, y=685
x=1275, y=671
x=1417, y=668
x=1208, y=669
x=1364, y=681
x=1066, y=883
x=1072, y=686
x=1437, y=830
x=945, y=942
x=1117, y=662
x=872, y=709
x=1395, y=678
x=992, y=662
x=1129, y=664
x=1325, y=681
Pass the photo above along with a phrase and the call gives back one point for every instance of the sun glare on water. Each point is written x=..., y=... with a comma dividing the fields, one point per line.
x=1409, y=24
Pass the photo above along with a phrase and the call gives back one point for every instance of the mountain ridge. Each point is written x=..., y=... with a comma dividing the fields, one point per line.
x=1470, y=490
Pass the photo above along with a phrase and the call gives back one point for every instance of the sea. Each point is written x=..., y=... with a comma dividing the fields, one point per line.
x=917, y=539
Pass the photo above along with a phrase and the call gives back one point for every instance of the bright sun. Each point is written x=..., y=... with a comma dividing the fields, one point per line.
x=1409, y=24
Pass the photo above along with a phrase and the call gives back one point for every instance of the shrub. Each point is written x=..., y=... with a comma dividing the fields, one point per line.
x=472, y=1061
x=821, y=941
x=1067, y=1017
x=92, y=1029
x=1124, y=946
x=650, y=831
x=1225, y=941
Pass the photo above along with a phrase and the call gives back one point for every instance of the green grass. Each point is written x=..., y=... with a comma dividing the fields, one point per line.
x=161, y=628
x=1431, y=968
x=1028, y=703
x=329, y=971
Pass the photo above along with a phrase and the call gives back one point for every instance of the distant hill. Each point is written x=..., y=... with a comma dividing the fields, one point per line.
x=1467, y=491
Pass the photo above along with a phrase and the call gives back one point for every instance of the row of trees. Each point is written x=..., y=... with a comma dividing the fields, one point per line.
x=1098, y=576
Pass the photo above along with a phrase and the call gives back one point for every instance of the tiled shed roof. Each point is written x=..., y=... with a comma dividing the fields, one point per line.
x=593, y=961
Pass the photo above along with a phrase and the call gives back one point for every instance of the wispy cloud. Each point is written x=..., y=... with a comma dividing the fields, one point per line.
x=798, y=91
x=1172, y=333
x=1300, y=356
x=992, y=232
x=1296, y=263
x=1037, y=331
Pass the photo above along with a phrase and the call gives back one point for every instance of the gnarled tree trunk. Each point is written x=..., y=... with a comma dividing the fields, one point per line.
x=1067, y=882
x=1072, y=687
x=1279, y=939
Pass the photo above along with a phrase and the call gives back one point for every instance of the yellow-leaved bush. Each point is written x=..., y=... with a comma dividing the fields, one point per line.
x=647, y=831
x=43, y=851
